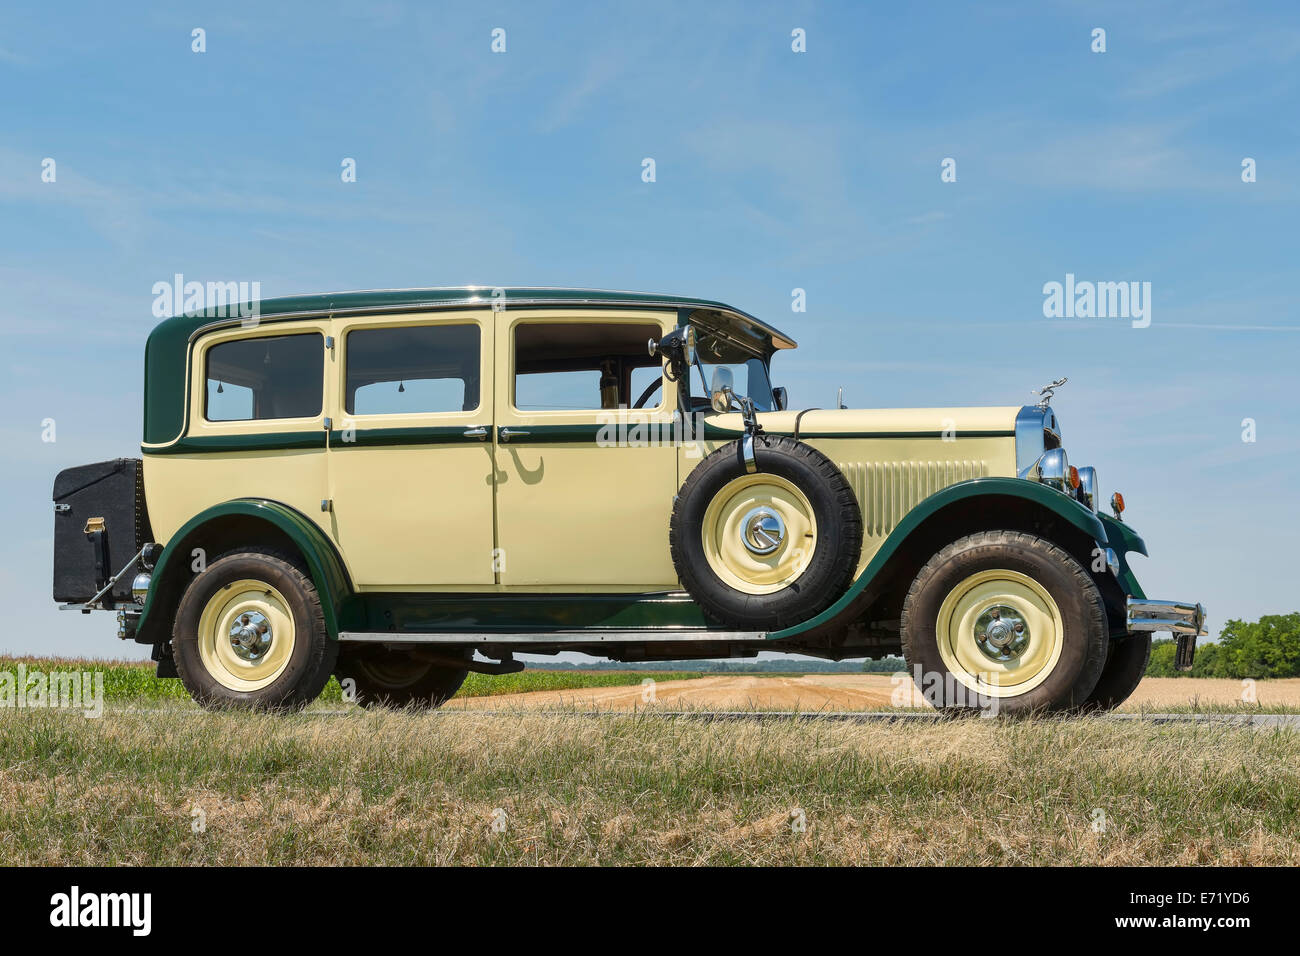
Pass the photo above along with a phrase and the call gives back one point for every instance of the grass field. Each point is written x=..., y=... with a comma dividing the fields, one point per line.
x=134, y=682
x=343, y=785
x=392, y=787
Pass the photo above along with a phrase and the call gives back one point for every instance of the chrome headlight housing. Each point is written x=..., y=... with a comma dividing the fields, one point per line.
x=1052, y=468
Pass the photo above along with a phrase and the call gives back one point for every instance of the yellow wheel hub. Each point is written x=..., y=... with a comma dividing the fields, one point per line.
x=759, y=533
x=1000, y=633
x=246, y=635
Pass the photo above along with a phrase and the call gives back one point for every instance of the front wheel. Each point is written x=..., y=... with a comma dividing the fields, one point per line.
x=1004, y=621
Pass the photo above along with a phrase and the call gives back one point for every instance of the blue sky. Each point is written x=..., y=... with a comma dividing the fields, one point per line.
x=775, y=170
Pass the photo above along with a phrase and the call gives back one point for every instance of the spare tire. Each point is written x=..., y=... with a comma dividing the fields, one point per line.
x=770, y=549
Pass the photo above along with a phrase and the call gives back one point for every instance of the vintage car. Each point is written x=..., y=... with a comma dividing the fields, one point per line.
x=399, y=487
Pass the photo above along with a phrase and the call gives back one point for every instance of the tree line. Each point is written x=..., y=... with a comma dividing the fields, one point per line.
x=1269, y=647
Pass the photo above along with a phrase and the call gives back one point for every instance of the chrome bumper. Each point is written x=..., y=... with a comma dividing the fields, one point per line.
x=1185, y=619
x=1180, y=617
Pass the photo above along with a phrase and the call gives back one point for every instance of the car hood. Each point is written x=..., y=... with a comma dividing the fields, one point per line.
x=909, y=422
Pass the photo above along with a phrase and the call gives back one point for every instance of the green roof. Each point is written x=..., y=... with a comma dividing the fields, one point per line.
x=168, y=344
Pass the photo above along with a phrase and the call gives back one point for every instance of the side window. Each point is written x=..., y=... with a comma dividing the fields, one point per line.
x=581, y=366
x=413, y=369
x=279, y=376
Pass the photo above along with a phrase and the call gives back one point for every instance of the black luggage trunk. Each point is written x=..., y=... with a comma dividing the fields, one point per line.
x=84, y=562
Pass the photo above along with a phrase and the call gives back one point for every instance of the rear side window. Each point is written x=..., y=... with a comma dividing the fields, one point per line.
x=278, y=376
x=413, y=369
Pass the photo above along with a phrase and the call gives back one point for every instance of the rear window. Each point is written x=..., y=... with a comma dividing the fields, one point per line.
x=271, y=377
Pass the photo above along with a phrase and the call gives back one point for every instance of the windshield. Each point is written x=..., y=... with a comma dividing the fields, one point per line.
x=749, y=376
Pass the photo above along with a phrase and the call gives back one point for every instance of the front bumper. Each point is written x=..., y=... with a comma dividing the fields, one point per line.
x=1185, y=619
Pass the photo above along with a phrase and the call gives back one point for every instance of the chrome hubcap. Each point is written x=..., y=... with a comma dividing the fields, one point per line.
x=762, y=530
x=1001, y=633
x=250, y=635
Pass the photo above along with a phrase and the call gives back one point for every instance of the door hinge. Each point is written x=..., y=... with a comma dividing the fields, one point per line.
x=327, y=504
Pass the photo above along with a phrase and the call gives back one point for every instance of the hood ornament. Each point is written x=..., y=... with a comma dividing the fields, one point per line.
x=1047, y=391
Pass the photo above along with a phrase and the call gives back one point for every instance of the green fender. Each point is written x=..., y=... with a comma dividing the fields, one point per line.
x=323, y=562
x=1072, y=511
x=1122, y=539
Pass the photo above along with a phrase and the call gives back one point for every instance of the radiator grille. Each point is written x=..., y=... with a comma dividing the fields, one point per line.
x=887, y=490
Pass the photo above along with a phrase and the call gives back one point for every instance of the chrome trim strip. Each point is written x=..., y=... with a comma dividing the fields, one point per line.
x=550, y=637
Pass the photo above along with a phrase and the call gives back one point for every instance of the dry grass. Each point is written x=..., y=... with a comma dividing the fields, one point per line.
x=403, y=788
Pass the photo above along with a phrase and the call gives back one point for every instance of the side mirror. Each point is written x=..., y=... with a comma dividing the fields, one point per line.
x=720, y=389
x=780, y=399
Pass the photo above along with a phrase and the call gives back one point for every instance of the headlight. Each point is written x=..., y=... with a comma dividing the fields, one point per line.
x=1088, y=489
x=1053, y=468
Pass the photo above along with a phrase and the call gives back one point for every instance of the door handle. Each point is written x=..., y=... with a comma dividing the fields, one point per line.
x=508, y=433
x=478, y=431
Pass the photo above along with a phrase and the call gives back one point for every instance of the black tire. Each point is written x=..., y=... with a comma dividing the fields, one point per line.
x=387, y=679
x=313, y=653
x=1126, y=664
x=824, y=575
x=1083, y=614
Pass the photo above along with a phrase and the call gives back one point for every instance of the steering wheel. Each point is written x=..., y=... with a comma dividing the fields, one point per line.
x=650, y=390
x=698, y=404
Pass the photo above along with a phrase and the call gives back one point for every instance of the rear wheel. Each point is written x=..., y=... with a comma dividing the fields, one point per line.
x=250, y=633
x=1005, y=621
x=383, y=678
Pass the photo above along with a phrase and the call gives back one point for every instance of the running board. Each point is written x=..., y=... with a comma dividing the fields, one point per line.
x=551, y=637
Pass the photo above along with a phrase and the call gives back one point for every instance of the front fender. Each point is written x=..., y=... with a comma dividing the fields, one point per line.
x=324, y=565
x=1064, y=507
x=1122, y=539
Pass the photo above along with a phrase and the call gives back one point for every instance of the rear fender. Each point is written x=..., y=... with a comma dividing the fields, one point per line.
x=210, y=531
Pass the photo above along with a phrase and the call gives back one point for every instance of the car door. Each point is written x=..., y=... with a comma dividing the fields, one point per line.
x=584, y=488
x=410, y=452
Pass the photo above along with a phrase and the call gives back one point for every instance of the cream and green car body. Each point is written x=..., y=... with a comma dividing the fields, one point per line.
x=500, y=530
